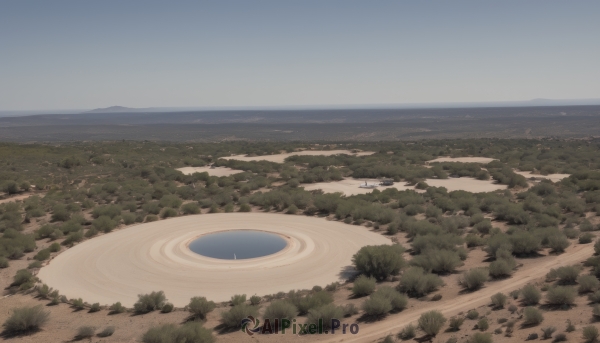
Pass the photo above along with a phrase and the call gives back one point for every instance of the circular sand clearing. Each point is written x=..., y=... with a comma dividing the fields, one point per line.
x=155, y=256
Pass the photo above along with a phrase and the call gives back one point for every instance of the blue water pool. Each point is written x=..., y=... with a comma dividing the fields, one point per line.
x=238, y=244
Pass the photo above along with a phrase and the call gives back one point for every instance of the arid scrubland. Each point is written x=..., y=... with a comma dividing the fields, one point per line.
x=467, y=267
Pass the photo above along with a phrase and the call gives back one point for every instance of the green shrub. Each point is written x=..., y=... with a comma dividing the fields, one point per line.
x=233, y=317
x=590, y=334
x=326, y=313
x=482, y=324
x=349, y=310
x=190, y=208
x=168, y=212
x=586, y=238
x=437, y=261
x=306, y=303
x=597, y=247
x=108, y=331
x=128, y=218
x=117, y=308
x=379, y=261
x=566, y=275
x=560, y=296
x=238, y=299
x=280, y=309
x=42, y=255
x=26, y=319
x=200, y=307
x=149, y=302
x=532, y=316
x=499, y=300
x=431, y=322
x=151, y=218
x=558, y=243
x=363, y=285
x=472, y=314
x=416, y=282
x=95, y=307
x=3, y=262
x=408, y=332
x=54, y=247
x=500, y=268
x=85, y=332
x=531, y=295
x=587, y=283
x=22, y=277
x=78, y=304
x=594, y=297
x=474, y=278
x=547, y=332
x=385, y=298
x=104, y=223
x=169, y=333
x=167, y=308
x=455, y=323
x=245, y=208
x=481, y=337
x=255, y=300
x=376, y=306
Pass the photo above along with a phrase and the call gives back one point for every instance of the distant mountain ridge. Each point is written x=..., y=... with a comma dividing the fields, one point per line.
x=527, y=103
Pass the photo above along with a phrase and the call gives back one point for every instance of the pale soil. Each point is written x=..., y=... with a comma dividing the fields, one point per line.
x=551, y=177
x=484, y=160
x=154, y=256
x=217, y=171
x=350, y=186
x=466, y=184
x=279, y=158
x=19, y=197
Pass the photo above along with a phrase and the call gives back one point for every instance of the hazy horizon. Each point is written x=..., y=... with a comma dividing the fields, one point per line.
x=70, y=55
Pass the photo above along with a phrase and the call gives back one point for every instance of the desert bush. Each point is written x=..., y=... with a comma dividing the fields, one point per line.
x=437, y=261
x=149, y=302
x=524, y=243
x=560, y=337
x=431, y=322
x=586, y=238
x=349, y=310
x=108, y=331
x=594, y=297
x=332, y=287
x=95, y=307
x=128, y=218
x=500, y=268
x=482, y=324
x=566, y=275
x=512, y=308
x=43, y=291
x=531, y=295
x=326, y=313
x=245, y=208
x=117, y=308
x=481, y=337
x=238, y=299
x=312, y=301
x=168, y=212
x=104, y=223
x=558, y=243
x=416, y=282
x=472, y=314
x=85, y=332
x=54, y=247
x=379, y=261
x=586, y=226
x=532, y=316
x=167, y=308
x=233, y=317
x=280, y=309
x=200, y=307
x=455, y=323
x=474, y=278
x=363, y=285
x=597, y=247
x=376, y=306
x=42, y=255
x=499, y=300
x=384, y=298
x=590, y=334
x=3, y=262
x=26, y=319
x=190, y=208
x=255, y=300
x=151, y=218
x=474, y=240
x=587, y=283
x=169, y=333
x=23, y=278
x=408, y=332
x=560, y=296
x=78, y=303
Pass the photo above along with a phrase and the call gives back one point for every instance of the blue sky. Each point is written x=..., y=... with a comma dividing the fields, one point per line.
x=87, y=54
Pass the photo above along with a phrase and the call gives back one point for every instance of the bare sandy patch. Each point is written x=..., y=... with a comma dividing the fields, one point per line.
x=19, y=197
x=217, y=171
x=551, y=177
x=350, y=186
x=279, y=158
x=154, y=256
x=466, y=184
x=463, y=159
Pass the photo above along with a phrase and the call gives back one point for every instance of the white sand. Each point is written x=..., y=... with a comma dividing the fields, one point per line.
x=218, y=171
x=154, y=256
x=350, y=186
x=279, y=158
x=466, y=184
x=551, y=177
x=463, y=159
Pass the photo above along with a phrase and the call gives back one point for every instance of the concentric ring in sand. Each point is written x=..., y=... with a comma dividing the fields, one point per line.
x=155, y=256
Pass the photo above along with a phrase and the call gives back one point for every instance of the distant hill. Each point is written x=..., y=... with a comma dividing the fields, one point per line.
x=117, y=109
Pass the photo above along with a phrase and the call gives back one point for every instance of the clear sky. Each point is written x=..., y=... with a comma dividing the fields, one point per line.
x=88, y=54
